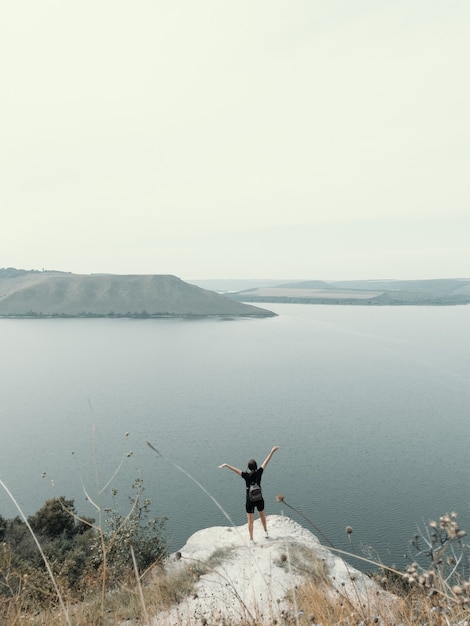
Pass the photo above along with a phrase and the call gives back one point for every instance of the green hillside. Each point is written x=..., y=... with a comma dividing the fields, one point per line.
x=51, y=293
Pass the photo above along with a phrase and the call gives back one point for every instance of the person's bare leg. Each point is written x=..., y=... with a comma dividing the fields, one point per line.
x=262, y=517
x=251, y=519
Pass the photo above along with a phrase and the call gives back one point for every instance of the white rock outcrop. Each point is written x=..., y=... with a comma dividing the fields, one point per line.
x=251, y=583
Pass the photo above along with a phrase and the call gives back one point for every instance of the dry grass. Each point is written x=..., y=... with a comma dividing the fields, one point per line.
x=305, y=562
x=159, y=591
x=316, y=601
x=155, y=592
x=318, y=604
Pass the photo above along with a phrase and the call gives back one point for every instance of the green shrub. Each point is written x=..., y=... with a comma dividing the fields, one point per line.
x=136, y=529
x=56, y=517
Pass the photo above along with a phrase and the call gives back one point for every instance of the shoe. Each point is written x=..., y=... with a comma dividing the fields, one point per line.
x=266, y=535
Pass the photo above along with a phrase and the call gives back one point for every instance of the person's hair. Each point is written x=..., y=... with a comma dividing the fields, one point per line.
x=252, y=465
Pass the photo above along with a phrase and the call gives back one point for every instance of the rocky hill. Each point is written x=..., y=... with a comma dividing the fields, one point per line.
x=51, y=293
x=255, y=584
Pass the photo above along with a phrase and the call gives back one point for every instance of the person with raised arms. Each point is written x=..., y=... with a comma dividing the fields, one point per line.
x=254, y=496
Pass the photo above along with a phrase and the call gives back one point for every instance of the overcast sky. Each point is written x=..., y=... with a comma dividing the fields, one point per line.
x=319, y=139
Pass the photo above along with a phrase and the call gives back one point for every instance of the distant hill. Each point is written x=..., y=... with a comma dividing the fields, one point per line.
x=52, y=293
x=305, y=284
x=433, y=292
x=226, y=285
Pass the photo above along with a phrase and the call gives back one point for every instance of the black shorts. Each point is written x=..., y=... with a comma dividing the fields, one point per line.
x=250, y=506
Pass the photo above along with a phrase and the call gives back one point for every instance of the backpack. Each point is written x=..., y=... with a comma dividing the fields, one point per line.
x=254, y=493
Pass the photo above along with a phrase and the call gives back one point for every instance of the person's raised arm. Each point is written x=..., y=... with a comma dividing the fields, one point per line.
x=230, y=467
x=268, y=458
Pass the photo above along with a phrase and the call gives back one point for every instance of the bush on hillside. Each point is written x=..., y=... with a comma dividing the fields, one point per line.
x=76, y=549
x=135, y=529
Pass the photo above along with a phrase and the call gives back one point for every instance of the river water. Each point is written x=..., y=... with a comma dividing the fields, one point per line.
x=369, y=406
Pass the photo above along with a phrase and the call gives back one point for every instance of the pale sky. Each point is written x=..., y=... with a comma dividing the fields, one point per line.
x=318, y=139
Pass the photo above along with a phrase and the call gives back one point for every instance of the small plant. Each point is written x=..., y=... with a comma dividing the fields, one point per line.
x=441, y=562
x=135, y=529
x=433, y=589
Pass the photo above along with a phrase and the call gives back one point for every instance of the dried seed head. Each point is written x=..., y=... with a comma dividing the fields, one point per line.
x=178, y=556
x=280, y=497
x=348, y=530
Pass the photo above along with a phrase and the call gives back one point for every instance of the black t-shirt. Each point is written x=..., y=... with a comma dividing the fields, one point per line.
x=252, y=477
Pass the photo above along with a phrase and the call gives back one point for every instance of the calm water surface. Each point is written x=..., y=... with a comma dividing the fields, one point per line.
x=368, y=404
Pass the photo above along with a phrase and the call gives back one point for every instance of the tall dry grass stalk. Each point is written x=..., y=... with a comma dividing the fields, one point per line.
x=106, y=543
x=46, y=562
x=139, y=587
x=195, y=481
